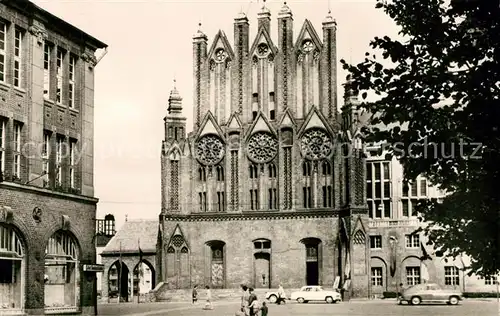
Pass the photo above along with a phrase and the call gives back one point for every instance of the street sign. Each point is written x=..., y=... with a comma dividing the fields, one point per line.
x=93, y=267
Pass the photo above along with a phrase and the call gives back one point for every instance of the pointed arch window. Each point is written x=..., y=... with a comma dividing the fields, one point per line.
x=306, y=169
x=62, y=274
x=202, y=174
x=254, y=171
x=272, y=171
x=326, y=168
x=178, y=271
x=12, y=265
x=220, y=173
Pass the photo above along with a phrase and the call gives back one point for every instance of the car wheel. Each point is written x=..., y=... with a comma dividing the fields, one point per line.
x=415, y=300
x=300, y=300
x=453, y=300
x=273, y=298
x=329, y=299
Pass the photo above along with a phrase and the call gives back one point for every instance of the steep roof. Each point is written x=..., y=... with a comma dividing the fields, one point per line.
x=130, y=234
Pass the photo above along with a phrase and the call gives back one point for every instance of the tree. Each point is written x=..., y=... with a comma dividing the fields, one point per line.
x=437, y=110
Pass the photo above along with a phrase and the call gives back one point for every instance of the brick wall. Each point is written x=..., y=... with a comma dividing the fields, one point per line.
x=288, y=262
x=81, y=213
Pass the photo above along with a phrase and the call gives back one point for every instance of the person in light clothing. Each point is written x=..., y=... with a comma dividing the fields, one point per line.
x=281, y=295
x=208, y=304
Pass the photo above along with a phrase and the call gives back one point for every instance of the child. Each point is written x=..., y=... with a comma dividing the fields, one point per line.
x=195, y=294
x=263, y=309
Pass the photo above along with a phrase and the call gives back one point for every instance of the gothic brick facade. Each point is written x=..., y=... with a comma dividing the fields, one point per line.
x=262, y=191
x=47, y=208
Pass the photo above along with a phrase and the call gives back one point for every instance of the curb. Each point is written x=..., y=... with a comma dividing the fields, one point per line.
x=165, y=311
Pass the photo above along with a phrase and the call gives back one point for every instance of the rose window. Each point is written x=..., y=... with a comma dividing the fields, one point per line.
x=262, y=147
x=210, y=150
x=307, y=46
x=220, y=55
x=316, y=144
x=262, y=49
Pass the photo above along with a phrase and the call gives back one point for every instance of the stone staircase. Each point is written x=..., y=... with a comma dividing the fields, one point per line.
x=163, y=294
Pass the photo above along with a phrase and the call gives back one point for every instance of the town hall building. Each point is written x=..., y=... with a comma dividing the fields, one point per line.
x=269, y=186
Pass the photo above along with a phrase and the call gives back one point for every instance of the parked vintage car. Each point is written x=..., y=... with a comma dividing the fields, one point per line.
x=430, y=293
x=315, y=293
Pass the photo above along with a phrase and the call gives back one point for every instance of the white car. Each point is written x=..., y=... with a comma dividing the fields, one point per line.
x=315, y=293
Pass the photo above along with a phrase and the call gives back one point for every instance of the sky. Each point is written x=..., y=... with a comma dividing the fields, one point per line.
x=150, y=45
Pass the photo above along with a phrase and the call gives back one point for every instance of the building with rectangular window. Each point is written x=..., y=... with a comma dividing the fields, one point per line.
x=47, y=203
x=398, y=255
x=260, y=192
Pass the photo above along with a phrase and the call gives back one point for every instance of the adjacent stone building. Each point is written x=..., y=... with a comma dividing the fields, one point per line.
x=269, y=187
x=129, y=261
x=47, y=203
x=399, y=254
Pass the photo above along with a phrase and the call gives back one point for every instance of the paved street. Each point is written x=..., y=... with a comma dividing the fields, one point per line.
x=383, y=308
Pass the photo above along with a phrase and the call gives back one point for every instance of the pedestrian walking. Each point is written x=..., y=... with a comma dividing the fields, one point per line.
x=208, y=304
x=281, y=295
x=195, y=294
x=251, y=298
x=244, y=299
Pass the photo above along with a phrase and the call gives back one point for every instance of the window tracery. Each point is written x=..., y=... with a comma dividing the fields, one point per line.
x=262, y=147
x=316, y=144
x=220, y=55
x=262, y=49
x=307, y=46
x=210, y=150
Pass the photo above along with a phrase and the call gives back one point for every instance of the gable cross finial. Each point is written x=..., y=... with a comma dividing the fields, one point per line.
x=329, y=7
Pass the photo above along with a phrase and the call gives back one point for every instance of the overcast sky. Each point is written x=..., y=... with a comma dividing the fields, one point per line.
x=150, y=43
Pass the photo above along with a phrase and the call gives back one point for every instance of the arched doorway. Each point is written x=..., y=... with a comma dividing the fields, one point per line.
x=216, y=260
x=262, y=263
x=118, y=285
x=144, y=278
x=12, y=265
x=313, y=260
x=62, y=274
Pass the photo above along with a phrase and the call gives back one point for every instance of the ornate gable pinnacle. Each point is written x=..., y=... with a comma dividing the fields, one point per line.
x=263, y=45
x=220, y=42
x=260, y=124
x=307, y=37
x=287, y=119
x=209, y=125
x=234, y=122
x=315, y=119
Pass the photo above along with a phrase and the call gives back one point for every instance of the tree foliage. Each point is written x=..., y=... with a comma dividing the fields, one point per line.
x=437, y=102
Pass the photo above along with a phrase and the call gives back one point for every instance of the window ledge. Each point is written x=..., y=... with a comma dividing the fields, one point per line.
x=20, y=90
x=4, y=85
x=62, y=106
x=48, y=100
x=74, y=110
